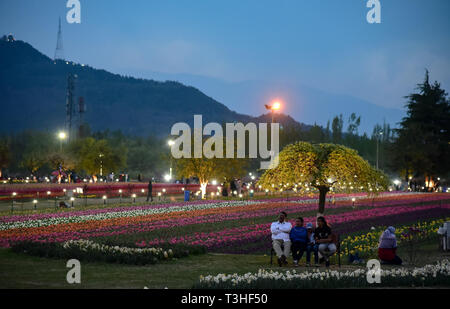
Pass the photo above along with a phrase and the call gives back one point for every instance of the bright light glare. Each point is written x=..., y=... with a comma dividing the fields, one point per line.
x=276, y=105
x=62, y=135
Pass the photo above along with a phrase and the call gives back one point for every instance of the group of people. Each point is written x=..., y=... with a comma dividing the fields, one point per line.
x=300, y=239
x=320, y=241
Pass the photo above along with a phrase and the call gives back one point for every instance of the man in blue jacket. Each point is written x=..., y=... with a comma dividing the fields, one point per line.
x=299, y=240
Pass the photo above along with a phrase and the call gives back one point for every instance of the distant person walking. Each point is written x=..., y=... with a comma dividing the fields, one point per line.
x=149, y=191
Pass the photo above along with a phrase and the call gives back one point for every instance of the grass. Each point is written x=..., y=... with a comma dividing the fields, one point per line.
x=23, y=271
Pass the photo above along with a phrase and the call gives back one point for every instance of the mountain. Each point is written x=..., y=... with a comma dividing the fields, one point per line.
x=33, y=96
x=303, y=103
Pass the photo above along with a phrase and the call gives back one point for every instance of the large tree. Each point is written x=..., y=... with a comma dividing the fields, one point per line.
x=324, y=167
x=422, y=144
x=95, y=155
x=206, y=170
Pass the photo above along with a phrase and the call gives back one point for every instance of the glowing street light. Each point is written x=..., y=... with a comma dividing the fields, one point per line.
x=170, y=143
x=61, y=136
x=276, y=105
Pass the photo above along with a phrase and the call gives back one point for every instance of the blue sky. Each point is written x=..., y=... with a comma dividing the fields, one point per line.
x=324, y=44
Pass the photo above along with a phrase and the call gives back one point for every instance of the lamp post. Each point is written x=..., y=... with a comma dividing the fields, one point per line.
x=61, y=136
x=274, y=107
x=101, y=163
x=170, y=143
x=378, y=141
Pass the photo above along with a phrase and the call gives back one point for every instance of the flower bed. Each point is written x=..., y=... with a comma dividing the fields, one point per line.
x=366, y=244
x=429, y=275
x=253, y=233
x=64, y=226
x=87, y=250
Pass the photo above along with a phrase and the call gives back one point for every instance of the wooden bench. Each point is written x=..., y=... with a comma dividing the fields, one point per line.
x=335, y=239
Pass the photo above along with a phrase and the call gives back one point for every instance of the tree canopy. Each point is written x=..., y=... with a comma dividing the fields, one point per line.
x=325, y=167
x=422, y=144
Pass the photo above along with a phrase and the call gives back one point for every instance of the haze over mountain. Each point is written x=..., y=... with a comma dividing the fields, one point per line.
x=33, y=95
x=33, y=91
x=303, y=103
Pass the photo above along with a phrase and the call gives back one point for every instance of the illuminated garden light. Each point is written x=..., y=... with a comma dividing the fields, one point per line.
x=214, y=182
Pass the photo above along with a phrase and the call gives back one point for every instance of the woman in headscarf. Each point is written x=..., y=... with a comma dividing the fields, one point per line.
x=387, y=249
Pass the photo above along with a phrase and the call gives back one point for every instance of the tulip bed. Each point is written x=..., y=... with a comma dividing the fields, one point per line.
x=220, y=226
x=139, y=235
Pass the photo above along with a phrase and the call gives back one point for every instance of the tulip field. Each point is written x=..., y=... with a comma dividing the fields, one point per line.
x=216, y=228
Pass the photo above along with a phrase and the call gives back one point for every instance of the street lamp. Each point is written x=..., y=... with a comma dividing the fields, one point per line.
x=378, y=141
x=101, y=163
x=274, y=107
x=170, y=143
x=62, y=136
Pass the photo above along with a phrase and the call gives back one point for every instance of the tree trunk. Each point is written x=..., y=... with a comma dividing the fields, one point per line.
x=203, y=189
x=323, y=190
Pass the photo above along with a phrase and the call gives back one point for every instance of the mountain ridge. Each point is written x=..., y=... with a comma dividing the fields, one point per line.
x=33, y=89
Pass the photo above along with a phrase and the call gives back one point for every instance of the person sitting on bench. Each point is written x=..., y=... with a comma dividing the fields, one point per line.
x=388, y=247
x=280, y=237
x=324, y=239
x=312, y=246
x=299, y=240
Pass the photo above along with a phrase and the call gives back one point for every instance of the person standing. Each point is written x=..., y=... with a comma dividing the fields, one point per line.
x=299, y=240
x=280, y=237
x=149, y=191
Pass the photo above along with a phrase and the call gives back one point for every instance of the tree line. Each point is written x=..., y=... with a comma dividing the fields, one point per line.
x=418, y=148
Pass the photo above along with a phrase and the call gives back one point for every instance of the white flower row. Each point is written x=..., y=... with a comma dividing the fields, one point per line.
x=441, y=268
x=89, y=245
x=119, y=214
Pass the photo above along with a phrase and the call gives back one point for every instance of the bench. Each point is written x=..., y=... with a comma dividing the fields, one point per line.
x=335, y=239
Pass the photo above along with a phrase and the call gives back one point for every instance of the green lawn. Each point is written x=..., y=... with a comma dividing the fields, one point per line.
x=23, y=271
